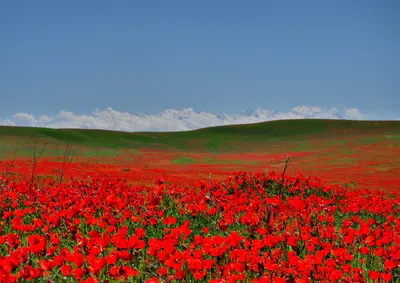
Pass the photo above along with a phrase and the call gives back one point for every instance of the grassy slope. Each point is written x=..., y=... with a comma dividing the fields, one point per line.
x=223, y=138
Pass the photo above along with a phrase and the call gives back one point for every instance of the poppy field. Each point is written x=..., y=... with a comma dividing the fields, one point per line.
x=168, y=215
x=249, y=228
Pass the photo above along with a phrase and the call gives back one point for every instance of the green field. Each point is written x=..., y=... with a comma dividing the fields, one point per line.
x=248, y=138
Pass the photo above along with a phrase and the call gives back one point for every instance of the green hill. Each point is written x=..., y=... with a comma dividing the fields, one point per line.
x=222, y=138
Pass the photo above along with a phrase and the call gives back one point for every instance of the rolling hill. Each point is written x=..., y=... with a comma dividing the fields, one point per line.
x=221, y=138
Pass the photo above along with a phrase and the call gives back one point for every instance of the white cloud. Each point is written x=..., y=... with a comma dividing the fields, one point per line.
x=8, y=122
x=44, y=119
x=306, y=110
x=24, y=117
x=354, y=114
x=172, y=120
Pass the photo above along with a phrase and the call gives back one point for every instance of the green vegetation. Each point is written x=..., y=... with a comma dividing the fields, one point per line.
x=394, y=136
x=301, y=146
x=251, y=137
x=184, y=160
x=217, y=161
x=369, y=140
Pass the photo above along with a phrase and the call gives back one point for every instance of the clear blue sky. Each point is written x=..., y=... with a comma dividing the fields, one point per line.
x=219, y=56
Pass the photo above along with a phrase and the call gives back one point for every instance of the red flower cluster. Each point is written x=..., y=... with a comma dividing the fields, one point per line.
x=250, y=228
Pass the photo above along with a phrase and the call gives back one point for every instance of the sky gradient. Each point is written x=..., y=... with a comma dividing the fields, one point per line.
x=216, y=56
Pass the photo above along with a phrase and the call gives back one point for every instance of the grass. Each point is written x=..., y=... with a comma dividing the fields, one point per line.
x=217, y=161
x=301, y=146
x=184, y=160
x=251, y=137
x=104, y=152
x=394, y=136
x=369, y=140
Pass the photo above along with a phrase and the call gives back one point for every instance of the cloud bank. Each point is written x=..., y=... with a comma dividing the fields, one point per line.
x=172, y=120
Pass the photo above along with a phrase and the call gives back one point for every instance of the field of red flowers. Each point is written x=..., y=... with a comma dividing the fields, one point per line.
x=372, y=166
x=146, y=214
x=250, y=227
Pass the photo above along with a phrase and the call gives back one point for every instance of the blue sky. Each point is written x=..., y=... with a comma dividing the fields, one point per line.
x=216, y=56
